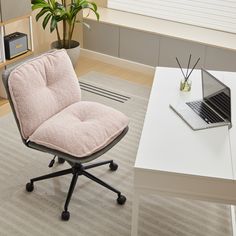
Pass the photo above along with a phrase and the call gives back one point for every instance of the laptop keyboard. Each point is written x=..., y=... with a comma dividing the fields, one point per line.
x=220, y=103
x=204, y=112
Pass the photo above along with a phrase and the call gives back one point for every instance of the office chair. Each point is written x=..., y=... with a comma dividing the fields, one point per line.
x=45, y=98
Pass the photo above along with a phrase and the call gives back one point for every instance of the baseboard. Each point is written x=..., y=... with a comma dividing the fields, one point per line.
x=149, y=70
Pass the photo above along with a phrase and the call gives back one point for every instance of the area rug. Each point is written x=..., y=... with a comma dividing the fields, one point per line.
x=94, y=211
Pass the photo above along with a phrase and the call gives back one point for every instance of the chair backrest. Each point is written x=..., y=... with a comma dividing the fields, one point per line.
x=40, y=88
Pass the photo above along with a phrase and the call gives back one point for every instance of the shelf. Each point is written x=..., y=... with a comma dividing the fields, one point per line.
x=15, y=19
x=18, y=18
x=2, y=64
x=8, y=62
x=2, y=34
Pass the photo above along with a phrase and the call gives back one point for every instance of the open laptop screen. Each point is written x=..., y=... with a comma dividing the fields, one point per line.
x=216, y=94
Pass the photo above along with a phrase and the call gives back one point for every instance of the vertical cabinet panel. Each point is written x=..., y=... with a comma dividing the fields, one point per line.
x=103, y=38
x=14, y=8
x=170, y=48
x=220, y=59
x=3, y=93
x=2, y=49
x=139, y=46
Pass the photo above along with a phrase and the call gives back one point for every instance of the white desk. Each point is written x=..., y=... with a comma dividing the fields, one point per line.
x=173, y=159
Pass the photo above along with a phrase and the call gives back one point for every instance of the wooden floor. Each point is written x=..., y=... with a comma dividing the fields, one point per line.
x=86, y=65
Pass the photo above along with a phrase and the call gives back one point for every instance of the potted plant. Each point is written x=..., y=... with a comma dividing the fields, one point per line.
x=65, y=12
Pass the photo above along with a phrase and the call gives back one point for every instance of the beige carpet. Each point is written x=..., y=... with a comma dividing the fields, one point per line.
x=93, y=208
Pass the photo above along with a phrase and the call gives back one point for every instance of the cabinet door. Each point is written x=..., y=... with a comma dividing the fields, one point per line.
x=220, y=59
x=101, y=37
x=170, y=48
x=139, y=46
x=14, y=8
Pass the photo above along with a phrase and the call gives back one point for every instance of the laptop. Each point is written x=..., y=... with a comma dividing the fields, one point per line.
x=213, y=110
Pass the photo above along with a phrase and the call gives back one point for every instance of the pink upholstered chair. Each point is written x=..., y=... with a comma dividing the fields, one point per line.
x=45, y=97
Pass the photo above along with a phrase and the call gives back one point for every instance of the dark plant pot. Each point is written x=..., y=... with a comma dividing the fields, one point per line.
x=73, y=52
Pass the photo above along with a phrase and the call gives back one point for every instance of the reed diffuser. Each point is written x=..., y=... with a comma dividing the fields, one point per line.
x=185, y=83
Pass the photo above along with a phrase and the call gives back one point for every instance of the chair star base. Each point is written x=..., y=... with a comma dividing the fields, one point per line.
x=76, y=170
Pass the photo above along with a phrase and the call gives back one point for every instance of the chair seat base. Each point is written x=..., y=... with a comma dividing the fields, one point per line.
x=76, y=170
x=61, y=160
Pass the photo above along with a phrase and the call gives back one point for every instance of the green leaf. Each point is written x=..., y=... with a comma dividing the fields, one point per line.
x=53, y=24
x=59, y=6
x=58, y=18
x=75, y=11
x=37, y=1
x=55, y=11
x=41, y=13
x=53, y=3
x=95, y=12
x=46, y=19
x=97, y=15
x=94, y=6
x=85, y=5
x=39, y=5
x=81, y=2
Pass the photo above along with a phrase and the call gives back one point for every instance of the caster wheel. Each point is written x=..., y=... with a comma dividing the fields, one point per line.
x=65, y=215
x=61, y=160
x=113, y=166
x=121, y=200
x=29, y=187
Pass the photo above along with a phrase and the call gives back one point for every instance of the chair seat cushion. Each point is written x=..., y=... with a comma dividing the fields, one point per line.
x=81, y=129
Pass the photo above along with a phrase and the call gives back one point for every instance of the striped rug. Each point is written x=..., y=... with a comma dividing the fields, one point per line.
x=94, y=211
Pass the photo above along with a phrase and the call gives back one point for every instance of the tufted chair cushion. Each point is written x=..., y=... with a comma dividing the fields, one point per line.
x=81, y=129
x=42, y=87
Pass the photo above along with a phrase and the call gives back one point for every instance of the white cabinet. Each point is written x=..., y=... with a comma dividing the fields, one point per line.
x=220, y=59
x=139, y=46
x=170, y=48
x=103, y=38
x=155, y=49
